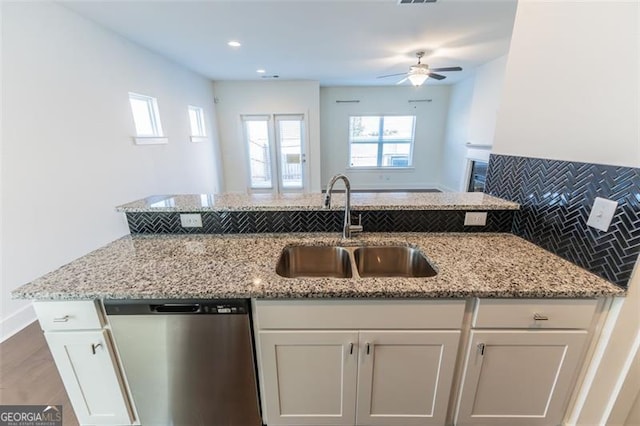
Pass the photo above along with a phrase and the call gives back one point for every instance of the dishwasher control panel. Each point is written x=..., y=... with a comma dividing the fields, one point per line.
x=177, y=307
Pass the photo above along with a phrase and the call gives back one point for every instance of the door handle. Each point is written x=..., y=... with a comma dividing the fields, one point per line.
x=95, y=346
x=61, y=319
x=481, y=349
x=351, y=348
x=369, y=348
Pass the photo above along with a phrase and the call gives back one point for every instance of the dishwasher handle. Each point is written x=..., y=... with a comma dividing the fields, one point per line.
x=176, y=308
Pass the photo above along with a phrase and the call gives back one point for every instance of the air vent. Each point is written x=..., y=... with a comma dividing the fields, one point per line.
x=415, y=1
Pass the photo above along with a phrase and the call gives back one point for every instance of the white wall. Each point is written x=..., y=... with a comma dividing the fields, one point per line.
x=67, y=151
x=429, y=135
x=454, y=153
x=472, y=117
x=572, y=93
x=487, y=94
x=237, y=98
x=572, y=83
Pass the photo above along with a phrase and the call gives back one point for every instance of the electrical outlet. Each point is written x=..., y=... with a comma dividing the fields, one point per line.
x=475, y=219
x=191, y=220
x=602, y=213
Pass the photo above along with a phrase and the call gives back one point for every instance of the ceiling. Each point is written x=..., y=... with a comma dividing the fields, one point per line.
x=338, y=43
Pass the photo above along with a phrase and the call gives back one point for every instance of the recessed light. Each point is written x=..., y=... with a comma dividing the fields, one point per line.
x=234, y=43
x=261, y=71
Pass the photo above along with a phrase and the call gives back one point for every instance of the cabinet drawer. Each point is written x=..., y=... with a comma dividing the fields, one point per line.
x=534, y=313
x=359, y=314
x=68, y=315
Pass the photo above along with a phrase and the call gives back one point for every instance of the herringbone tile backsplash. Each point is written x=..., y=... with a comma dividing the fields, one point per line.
x=556, y=198
x=250, y=222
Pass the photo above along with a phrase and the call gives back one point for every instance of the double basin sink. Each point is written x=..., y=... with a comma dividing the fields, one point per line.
x=340, y=262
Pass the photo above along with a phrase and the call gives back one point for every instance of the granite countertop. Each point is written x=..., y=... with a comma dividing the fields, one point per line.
x=230, y=266
x=297, y=201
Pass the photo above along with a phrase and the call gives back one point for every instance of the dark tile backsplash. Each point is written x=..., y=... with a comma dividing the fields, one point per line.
x=249, y=222
x=556, y=198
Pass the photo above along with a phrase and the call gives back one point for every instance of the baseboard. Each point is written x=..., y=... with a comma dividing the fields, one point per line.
x=16, y=322
x=400, y=187
x=444, y=188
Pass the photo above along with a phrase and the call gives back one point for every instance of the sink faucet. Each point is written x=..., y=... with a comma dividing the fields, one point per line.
x=348, y=227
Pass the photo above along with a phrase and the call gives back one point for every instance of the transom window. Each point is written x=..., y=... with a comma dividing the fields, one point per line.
x=196, y=120
x=381, y=140
x=145, y=115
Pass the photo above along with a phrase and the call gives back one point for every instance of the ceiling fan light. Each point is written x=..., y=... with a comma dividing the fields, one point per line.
x=418, y=79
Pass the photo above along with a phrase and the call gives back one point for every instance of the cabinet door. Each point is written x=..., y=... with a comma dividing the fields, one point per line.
x=309, y=377
x=405, y=377
x=519, y=377
x=89, y=371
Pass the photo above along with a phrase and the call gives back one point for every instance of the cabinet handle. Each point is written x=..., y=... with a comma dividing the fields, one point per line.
x=61, y=319
x=368, y=348
x=95, y=346
x=481, y=349
x=540, y=317
x=351, y=348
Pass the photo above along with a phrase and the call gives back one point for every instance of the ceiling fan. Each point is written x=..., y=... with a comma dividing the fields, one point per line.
x=419, y=73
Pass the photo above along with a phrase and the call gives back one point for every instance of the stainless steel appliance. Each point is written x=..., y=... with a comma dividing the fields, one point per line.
x=477, y=176
x=188, y=363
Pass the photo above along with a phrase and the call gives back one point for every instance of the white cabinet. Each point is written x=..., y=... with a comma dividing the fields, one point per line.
x=523, y=376
x=356, y=376
x=90, y=375
x=404, y=377
x=86, y=360
x=309, y=377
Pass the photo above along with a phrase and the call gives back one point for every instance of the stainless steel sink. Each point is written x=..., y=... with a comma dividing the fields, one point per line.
x=392, y=261
x=314, y=261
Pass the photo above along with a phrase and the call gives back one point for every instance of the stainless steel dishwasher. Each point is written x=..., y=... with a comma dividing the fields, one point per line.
x=188, y=363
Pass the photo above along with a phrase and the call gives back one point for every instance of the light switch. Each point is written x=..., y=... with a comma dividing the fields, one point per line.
x=602, y=213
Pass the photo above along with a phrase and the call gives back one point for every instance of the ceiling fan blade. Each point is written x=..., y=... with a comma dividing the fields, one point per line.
x=445, y=69
x=436, y=76
x=403, y=80
x=392, y=75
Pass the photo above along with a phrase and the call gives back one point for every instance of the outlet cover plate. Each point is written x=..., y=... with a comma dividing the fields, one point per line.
x=475, y=219
x=191, y=220
x=602, y=213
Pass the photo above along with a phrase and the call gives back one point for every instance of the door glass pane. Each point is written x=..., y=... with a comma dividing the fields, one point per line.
x=364, y=155
x=259, y=154
x=290, y=134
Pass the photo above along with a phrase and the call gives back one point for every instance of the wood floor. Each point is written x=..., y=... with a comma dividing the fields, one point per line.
x=28, y=375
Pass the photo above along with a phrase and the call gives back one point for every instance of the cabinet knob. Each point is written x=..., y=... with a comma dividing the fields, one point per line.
x=61, y=319
x=540, y=317
x=95, y=346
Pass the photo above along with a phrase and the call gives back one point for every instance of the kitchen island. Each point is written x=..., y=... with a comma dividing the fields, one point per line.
x=496, y=303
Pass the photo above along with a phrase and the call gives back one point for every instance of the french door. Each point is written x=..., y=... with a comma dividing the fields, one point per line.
x=276, y=152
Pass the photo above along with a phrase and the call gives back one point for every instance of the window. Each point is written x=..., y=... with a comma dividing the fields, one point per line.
x=196, y=119
x=381, y=141
x=145, y=115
